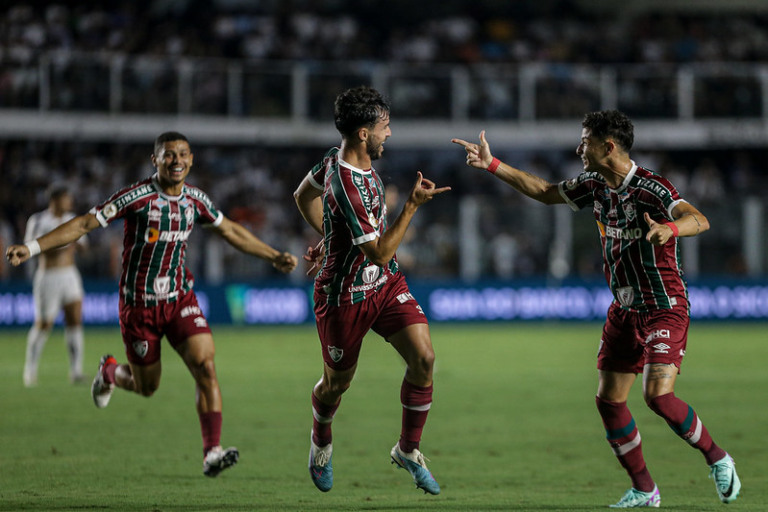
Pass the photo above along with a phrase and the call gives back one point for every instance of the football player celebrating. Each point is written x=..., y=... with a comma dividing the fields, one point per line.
x=156, y=295
x=640, y=216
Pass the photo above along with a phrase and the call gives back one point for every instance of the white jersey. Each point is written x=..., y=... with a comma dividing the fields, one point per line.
x=44, y=222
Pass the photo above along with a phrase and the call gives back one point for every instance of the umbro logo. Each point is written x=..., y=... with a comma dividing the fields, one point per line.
x=661, y=348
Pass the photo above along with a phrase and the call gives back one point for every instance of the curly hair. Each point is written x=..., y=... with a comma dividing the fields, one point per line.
x=611, y=124
x=358, y=107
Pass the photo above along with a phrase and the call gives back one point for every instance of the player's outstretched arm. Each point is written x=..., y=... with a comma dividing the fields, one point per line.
x=59, y=237
x=479, y=156
x=382, y=249
x=243, y=240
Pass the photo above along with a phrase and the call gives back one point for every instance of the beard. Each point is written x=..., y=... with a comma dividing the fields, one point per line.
x=375, y=152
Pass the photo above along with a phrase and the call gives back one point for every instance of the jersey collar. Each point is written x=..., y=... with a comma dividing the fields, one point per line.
x=156, y=184
x=353, y=168
x=627, y=178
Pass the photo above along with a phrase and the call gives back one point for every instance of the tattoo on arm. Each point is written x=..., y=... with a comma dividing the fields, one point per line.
x=698, y=224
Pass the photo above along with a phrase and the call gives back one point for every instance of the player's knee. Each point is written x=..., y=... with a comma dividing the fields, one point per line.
x=148, y=389
x=423, y=362
x=45, y=325
x=337, y=387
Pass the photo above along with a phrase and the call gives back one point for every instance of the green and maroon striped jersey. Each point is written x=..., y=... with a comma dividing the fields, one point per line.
x=641, y=276
x=354, y=212
x=155, y=232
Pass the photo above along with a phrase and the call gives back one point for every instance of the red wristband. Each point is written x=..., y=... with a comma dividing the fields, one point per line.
x=673, y=227
x=494, y=165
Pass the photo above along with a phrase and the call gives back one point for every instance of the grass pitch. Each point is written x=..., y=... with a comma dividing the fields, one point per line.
x=513, y=426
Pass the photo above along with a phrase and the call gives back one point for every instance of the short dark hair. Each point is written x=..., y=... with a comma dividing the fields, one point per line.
x=57, y=190
x=611, y=124
x=358, y=107
x=168, y=137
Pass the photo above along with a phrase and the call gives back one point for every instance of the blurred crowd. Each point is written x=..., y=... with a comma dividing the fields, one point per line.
x=254, y=184
x=387, y=30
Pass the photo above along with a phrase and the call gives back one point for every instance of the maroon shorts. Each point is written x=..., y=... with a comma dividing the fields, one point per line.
x=342, y=328
x=144, y=326
x=633, y=339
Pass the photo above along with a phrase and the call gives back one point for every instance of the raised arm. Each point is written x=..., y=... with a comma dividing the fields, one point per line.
x=480, y=157
x=243, y=240
x=59, y=237
x=382, y=249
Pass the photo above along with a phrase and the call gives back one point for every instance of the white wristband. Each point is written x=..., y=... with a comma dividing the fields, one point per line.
x=34, y=248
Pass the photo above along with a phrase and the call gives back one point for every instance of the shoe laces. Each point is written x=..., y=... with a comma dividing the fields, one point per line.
x=321, y=457
x=720, y=473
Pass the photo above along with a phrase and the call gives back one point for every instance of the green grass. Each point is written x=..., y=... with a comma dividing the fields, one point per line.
x=513, y=426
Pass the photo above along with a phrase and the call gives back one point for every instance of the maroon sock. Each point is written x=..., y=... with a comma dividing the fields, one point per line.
x=322, y=417
x=416, y=402
x=624, y=438
x=686, y=423
x=210, y=426
x=108, y=370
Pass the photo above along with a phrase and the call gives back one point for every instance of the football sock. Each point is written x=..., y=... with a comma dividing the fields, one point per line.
x=684, y=421
x=322, y=417
x=108, y=372
x=210, y=426
x=416, y=401
x=624, y=438
x=74, y=337
x=36, y=339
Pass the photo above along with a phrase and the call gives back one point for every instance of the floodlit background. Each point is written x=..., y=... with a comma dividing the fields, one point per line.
x=86, y=86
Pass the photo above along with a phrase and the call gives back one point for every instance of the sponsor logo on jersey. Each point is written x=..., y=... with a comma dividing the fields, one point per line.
x=661, y=348
x=373, y=220
x=133, y=195
x=161, y=285
x=405, y=297
x=626, y=295
x=335, y=353
x=200, y=322
x=154, y=214
x=189, y=213
x=190, y=310
x=571, y=184
x=622, y=233
x=160, y=202
x=141, y=348
x=365, y=287
x=109, y=211
x=153, y=235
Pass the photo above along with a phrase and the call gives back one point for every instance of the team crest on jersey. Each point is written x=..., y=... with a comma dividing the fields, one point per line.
x=629, y=211
x=141, y=348
x=370, y=273
x=336, y=353
x=154, y=214
x=189, y=213
x=571, y=184
x=373, y=220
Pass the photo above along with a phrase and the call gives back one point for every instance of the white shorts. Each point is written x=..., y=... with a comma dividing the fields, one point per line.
x=55, y=288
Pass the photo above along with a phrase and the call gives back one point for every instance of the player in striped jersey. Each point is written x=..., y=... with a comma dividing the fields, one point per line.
x=359, y=286
x=156, y=296
x=640, y=216
x=57, y=287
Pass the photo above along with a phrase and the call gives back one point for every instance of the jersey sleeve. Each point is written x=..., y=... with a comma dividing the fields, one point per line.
x=113, y=208
x=659, y=193
x=316, y=176
x=206, y=212
x=578, y=192
x=348, y=189
x=31, y=230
